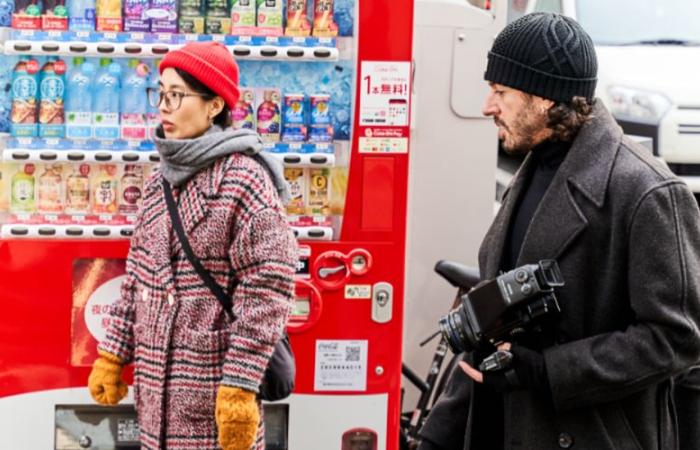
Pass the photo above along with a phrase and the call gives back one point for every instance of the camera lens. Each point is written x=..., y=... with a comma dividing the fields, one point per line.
x=456, y=330
x=521, y=276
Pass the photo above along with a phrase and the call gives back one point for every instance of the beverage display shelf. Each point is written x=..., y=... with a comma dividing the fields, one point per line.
x=156, y=45
x=76, y=231
x=291, y=155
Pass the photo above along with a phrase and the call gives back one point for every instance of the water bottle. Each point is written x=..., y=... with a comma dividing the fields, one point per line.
x=105, y=120
x=79, y=100
x=153, y=112
x=134, y=102
x=81, y=15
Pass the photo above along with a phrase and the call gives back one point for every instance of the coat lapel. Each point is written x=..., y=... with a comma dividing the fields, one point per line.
x=560, y=216
x=492, y=247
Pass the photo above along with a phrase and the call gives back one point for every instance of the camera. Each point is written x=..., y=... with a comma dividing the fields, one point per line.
x=500, y=308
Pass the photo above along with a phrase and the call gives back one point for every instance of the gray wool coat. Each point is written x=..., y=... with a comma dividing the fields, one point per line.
x=626, y=234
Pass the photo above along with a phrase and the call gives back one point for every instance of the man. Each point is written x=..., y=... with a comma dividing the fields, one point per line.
x=625, y=232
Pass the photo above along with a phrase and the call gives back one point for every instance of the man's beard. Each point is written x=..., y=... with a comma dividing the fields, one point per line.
x=520, y=137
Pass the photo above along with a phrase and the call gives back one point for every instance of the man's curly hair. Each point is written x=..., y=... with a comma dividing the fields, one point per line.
x=566, y=119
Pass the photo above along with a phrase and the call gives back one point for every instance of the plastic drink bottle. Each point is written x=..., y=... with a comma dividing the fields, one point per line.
x=79, y=100
x=81, y=15
x=24, y=115
x=52, y=89
x=134, y=102
x=105, y=119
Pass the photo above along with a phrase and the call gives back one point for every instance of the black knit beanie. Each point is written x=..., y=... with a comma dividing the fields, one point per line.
x=544, y=54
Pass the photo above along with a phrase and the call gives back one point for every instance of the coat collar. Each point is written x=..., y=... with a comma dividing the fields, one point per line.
x=559, y=217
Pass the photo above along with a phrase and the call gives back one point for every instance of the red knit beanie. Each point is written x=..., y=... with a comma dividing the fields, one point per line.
x=210, y=63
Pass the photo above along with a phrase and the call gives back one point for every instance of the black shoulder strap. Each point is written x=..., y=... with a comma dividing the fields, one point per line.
x=213, y=286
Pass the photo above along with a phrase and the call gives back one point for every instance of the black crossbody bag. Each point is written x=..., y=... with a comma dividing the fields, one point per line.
x=278, y=381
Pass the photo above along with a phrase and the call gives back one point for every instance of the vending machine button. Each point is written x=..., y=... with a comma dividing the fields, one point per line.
x=49, y=47
x=78, y=48
x=105, y=48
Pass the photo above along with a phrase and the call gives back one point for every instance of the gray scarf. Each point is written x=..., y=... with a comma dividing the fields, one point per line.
x=183, y=158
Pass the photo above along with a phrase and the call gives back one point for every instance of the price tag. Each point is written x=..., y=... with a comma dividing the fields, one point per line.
x=137, y=37
x=54, y=34
x=82, y=35
x=105, y=217
x=77, y=218
x=295, y=146
x=51, y=217
x=109, y=36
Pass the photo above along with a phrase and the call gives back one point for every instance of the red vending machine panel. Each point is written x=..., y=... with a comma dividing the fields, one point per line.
x=69, y=197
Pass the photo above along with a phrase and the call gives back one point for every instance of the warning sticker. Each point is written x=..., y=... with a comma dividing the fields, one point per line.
x=341, y=365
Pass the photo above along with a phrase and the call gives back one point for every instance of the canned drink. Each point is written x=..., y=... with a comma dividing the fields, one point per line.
x=294, y=109
x=320, y=110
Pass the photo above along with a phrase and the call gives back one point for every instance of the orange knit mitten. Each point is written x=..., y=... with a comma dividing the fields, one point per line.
x=237, y=417
x=105, y=381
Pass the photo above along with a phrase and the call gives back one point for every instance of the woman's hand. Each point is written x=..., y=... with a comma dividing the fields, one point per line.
x=237, y=417
x=105, y=381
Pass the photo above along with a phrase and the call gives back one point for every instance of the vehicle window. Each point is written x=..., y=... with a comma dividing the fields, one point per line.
x=553, y=6
x=651, y=22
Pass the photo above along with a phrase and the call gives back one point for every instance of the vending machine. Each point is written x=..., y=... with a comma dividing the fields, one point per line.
x=326, y=83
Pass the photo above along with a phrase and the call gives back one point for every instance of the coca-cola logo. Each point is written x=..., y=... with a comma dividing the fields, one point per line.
x=132, y=195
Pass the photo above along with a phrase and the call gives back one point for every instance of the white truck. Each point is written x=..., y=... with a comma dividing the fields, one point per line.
x=648, y=71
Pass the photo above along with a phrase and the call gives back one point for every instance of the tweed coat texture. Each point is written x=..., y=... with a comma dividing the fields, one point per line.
x=169, y=323
x=626, y=234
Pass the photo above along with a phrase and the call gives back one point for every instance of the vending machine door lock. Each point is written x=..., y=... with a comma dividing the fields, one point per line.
x=382, y=304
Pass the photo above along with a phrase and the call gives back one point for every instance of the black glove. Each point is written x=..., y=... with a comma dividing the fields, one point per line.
x=527, y=371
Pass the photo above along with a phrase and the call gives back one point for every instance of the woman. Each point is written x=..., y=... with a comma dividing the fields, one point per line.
x=196, y=372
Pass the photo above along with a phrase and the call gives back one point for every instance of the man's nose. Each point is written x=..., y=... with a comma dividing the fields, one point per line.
x=489, y=107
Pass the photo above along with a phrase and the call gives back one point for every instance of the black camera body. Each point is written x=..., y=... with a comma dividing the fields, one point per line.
x=498, y=309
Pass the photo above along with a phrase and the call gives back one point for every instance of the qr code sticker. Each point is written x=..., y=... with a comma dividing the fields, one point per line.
x=352, y=353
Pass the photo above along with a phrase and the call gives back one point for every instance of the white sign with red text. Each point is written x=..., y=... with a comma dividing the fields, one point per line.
x=384, y=93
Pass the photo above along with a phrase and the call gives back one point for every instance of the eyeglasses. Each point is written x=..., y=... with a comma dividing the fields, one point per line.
x=173, y=99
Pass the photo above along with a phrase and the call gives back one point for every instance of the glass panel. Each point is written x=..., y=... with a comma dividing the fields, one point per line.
x=640, y=21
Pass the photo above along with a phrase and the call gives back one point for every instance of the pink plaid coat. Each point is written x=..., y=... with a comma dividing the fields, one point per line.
x=173, y=328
